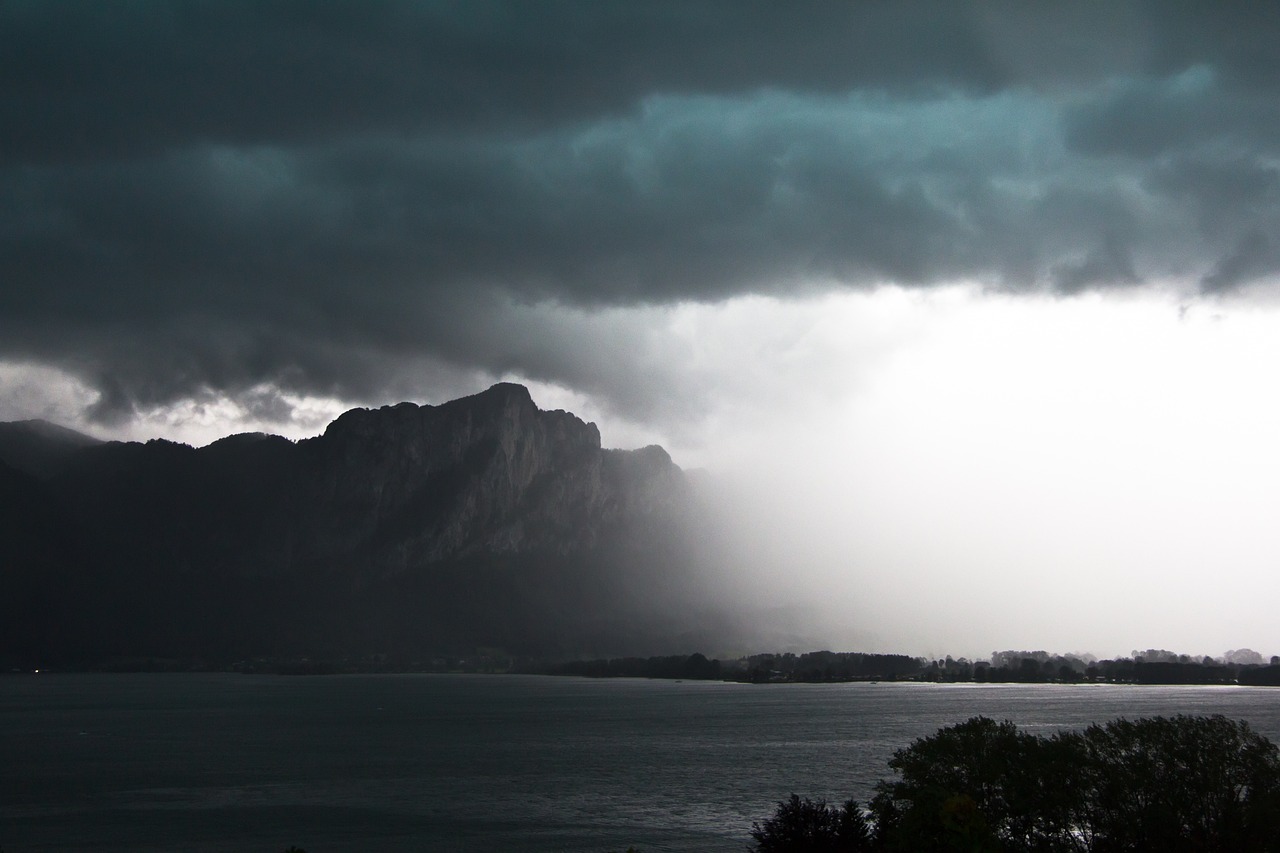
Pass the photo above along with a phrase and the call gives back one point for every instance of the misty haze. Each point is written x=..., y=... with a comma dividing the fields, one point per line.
x=717, y=395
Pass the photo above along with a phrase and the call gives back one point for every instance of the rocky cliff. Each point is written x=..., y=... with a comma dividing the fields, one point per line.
x=408, y=530
x=489, y=474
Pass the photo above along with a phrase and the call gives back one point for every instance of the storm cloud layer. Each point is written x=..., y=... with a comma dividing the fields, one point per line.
x=262, y=201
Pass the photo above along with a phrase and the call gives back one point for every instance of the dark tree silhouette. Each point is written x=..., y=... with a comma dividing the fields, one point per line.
x=802, y=825
x=1181, y=785
x=973, y=786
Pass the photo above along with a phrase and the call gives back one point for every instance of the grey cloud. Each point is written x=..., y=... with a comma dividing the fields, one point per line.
x=1253, y=257
x=86, y=80
x=1147, y=118
x=269, y=405
x=1222, y=196
x=210, y=198
x=1108, y=263
x=115, y=404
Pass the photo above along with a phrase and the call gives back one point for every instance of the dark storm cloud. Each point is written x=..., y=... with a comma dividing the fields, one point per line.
x=210, y=198
x=92, y=80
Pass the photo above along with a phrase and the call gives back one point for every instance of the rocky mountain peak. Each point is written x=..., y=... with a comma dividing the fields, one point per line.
x=486, y=506
x=488, y=473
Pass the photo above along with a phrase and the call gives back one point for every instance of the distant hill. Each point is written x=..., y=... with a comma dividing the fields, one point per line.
x=402, y=532
x=39, y=447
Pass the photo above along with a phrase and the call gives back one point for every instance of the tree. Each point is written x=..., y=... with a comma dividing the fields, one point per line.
x=976, y=786
x=805, y=826
x=1180, y=784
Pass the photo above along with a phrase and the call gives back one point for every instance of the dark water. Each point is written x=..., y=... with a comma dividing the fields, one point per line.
x=478, y=763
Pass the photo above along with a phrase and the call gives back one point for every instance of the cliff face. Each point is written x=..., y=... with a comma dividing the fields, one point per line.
x=483, y=520
x=489, y=474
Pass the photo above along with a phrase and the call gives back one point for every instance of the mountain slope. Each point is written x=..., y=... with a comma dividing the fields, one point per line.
x=38, y=447
x=407, y=530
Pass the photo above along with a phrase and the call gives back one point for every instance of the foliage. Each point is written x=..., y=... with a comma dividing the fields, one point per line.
x=693, y=667
x=803, y=825
x=1181, y=783
x=827, y=666
x=1172, y=784
x=970, y=786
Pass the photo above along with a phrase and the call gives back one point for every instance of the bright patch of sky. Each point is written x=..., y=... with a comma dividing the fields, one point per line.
x=948, y=465
x=943, y=465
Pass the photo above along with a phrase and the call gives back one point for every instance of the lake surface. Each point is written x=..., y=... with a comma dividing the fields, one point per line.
x=464, y=763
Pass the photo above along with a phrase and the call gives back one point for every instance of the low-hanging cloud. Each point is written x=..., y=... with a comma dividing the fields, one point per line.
x=358, y=203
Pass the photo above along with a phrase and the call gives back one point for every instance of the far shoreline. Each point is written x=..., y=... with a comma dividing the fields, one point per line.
x=820, y=667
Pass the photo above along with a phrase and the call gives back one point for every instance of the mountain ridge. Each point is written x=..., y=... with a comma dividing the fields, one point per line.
x=39, y=447
x=412, y=527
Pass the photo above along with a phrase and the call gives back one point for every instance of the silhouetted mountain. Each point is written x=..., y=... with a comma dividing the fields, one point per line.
x=405, y=531
x=39, y=447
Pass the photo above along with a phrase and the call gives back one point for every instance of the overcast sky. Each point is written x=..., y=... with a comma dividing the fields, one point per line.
x=978, y=299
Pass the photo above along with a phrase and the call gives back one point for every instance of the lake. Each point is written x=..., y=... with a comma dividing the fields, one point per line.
x=331, y=764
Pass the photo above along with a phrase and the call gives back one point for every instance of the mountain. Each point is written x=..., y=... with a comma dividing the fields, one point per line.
x=39, y=447
x=403, y=532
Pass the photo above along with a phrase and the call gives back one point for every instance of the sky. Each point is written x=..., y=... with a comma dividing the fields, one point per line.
x=972, y=306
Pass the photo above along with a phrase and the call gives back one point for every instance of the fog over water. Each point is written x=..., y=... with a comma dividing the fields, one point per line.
x=985, y=472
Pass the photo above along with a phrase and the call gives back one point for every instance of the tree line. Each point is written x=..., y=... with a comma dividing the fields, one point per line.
x=1180, y=784
x=1020, y=667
